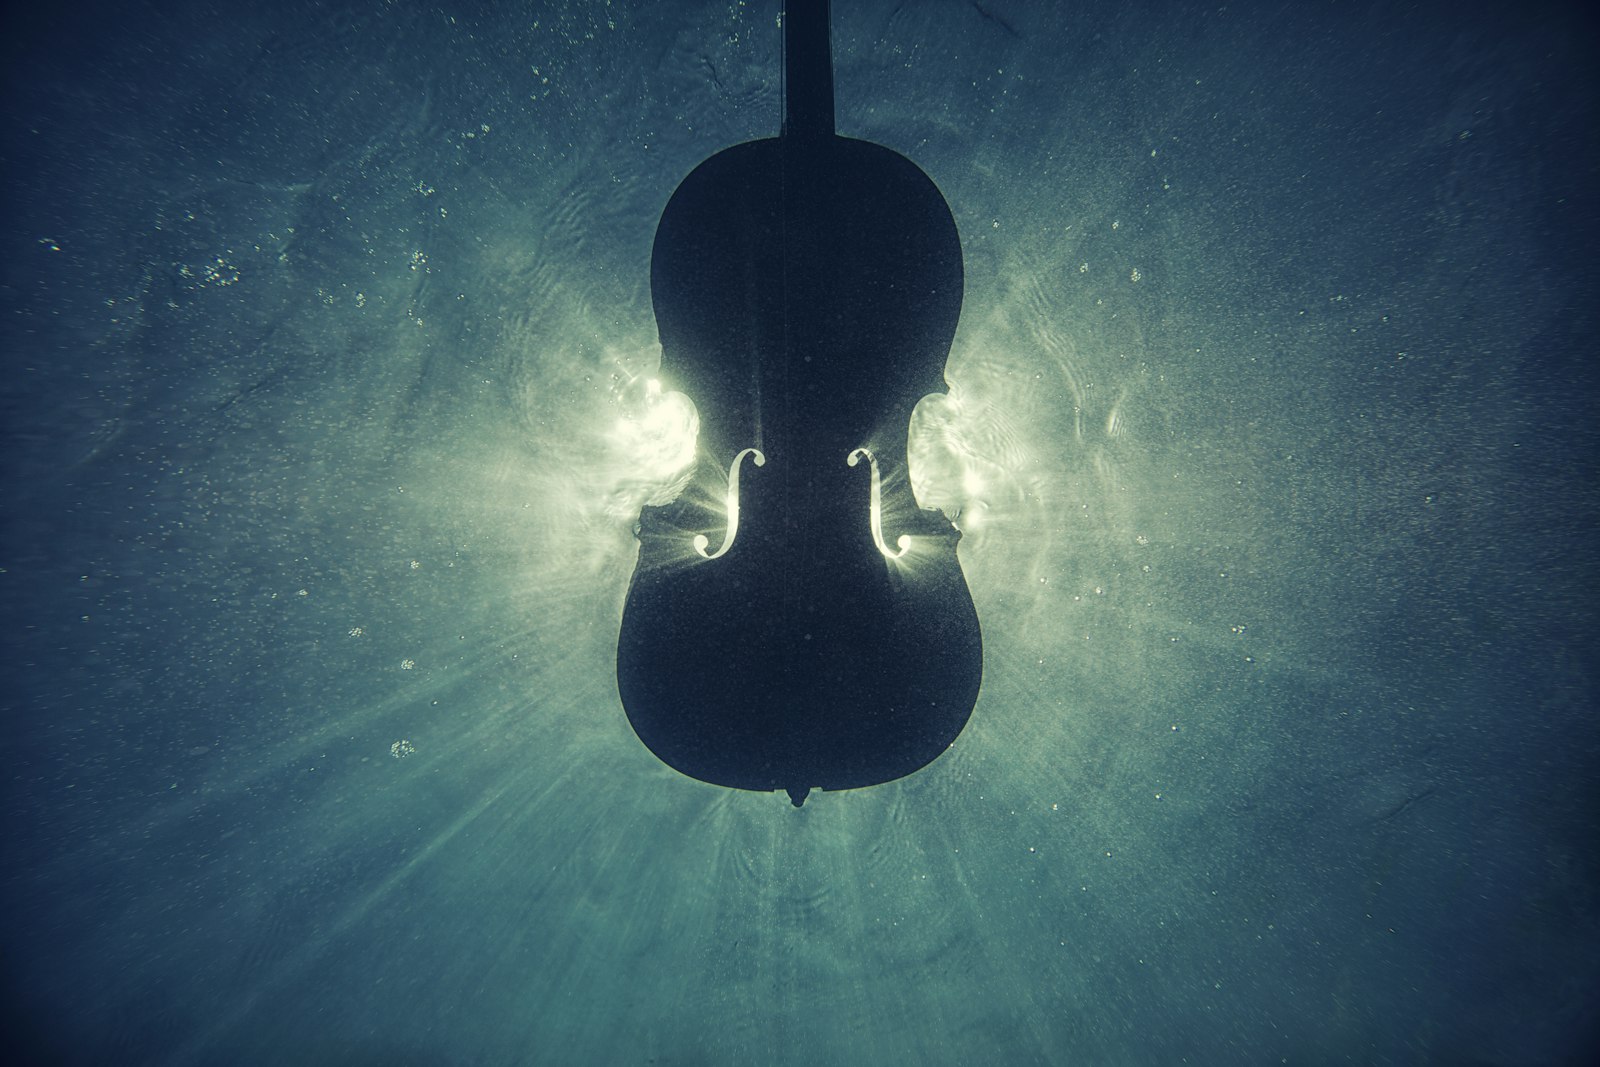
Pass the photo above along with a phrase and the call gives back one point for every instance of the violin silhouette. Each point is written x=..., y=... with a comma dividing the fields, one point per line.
x=802, y=624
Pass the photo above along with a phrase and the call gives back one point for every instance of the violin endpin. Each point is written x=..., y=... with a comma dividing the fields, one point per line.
x=701, y=541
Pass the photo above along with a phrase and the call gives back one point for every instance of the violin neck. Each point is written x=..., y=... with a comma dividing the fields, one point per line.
x=807, y=70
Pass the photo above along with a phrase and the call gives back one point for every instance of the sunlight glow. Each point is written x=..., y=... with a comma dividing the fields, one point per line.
x=655, y=438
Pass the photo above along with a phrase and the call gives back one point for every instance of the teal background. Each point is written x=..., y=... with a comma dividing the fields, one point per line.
x=326, y=332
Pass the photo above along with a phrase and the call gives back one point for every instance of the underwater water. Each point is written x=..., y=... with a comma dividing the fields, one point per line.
x=328, y=347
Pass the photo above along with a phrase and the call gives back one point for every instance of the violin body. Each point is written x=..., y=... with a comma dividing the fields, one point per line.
x=806, y=288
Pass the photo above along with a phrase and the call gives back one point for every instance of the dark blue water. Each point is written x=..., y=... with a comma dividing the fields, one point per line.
x=328, y=342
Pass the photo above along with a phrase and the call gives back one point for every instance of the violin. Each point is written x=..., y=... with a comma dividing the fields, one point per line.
x=795, y=621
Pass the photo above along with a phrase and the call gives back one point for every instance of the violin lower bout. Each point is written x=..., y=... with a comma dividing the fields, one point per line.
x=774, y=669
